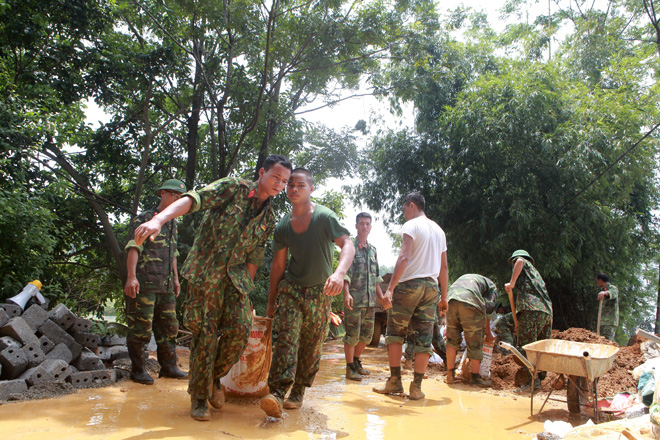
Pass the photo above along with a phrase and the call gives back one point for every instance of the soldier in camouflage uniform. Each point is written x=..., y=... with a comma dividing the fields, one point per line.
x=471, y=300
x=151, y=289
x=609, y=295
x=304, y=290
x=438, y=344
x=361, y=291
x=220, y=268
x=412, y=294
x=531, y=308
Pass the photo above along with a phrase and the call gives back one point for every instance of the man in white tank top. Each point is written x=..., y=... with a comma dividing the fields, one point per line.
x=413, y=293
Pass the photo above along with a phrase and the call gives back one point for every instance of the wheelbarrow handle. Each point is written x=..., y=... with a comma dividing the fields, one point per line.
x=519, y=355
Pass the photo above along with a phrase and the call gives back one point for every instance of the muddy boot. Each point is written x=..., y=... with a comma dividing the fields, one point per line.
x=167, y=361
x=450, y=376
x=526, y=388
x=138, y=373
x=295, y=399
x=477, y=380
x=199, y=410
x=217, y=399
x=359, y=368
x=415, y=392
x=392, y=386
x=272, y=406
x=351, y=373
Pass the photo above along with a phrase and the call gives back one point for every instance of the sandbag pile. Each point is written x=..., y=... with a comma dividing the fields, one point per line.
x=39, y=347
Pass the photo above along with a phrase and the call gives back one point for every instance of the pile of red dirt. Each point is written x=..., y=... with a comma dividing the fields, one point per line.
x=507, y=374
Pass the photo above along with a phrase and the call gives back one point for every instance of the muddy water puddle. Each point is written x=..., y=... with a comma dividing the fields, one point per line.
x=333, y=409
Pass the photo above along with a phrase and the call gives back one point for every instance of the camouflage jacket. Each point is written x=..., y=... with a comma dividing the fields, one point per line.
x=154, y=269
x=232, y=233
x=530, y=292
x=475, y=290
x=610, y=312
x=363, y=276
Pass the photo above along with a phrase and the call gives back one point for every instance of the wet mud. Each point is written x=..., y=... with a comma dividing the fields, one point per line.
x=333, y=408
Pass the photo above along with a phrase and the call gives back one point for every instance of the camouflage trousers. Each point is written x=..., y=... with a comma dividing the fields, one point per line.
x=301, y=322
x=152, y=311
x=608, y=331
x=359, y=325
x=414, y=304
x=469, y=320
x=220, y=319
x=504, y=327
x=438, y=341
x=533, y=326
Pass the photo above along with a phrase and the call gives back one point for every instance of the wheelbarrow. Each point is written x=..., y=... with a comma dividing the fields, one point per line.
x=582, y=363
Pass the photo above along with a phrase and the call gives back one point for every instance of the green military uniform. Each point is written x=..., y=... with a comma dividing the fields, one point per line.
x=414, y=305
x=533, y=306
x=609, y=318
x=363, y=277
x=156, y=302
x=471, y=298
x=233, y=232
x=438, y=342
x=303, y=310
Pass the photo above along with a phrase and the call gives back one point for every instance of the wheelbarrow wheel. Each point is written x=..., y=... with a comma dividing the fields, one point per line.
x=573, y=393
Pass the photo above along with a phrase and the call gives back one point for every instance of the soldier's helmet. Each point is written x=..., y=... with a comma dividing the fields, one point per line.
x=520, y=253
x=172, y=185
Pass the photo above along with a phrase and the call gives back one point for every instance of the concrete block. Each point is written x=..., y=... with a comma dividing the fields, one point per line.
x=55, y=333
x=62, y=316
x=12, y=310
x=121, y=374
x=118, y=352
x=18, y=329
x=81, y=325
x=104, y=377
x=81, y=379
x=35, y=316
x=46, y=344
x=76, y=349
x=103, y=353
x=57, y=368
x=62, y=352
x=13, y=362
x=4, y=318
x=8, y=341
x=36, y=375
x=117, y=340
x=89, y=340
x=34, y=354
x=88, y=361
x=9, y=387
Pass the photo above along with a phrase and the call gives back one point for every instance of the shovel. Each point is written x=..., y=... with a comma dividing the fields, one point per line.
x=600, y=311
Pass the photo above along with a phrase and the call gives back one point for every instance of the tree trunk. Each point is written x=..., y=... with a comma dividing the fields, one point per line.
x=146, y=147
x=193, y=121
x=656, y=330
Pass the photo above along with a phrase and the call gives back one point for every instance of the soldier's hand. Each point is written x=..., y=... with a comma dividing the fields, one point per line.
x=442, y=307
x=132, y=287
x=508, y=287
x=149, y=229
x=348, y=301
x=177, y=288
x=334, y=285
x=490, y=339
x=386, y=300
x=601, y=296
x=270, y=310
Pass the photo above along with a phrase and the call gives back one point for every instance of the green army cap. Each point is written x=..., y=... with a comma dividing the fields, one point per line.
x=520, y=253
x=172, y=185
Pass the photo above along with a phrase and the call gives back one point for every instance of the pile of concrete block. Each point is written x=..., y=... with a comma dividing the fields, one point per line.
x=39, y=347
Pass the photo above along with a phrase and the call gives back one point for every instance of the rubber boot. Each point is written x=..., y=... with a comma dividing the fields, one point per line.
x=359, y=368
x=450, y=376
x=217, y=399
x=415, y=392
x=272, y=406
x=392, y=386
x=295, y=399
x=167, y=361
x=527, y=388
x=138, y=373
x=351, y=373
x=476, y=379
x=199, y=410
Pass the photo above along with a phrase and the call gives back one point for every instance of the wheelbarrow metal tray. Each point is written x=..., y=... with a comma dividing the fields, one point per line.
x=568, y=357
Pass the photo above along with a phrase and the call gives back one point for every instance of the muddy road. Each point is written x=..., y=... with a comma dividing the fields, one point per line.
x=333, y=408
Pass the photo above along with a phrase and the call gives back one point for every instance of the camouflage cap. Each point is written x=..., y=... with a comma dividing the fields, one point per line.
x=172, y=185
x=520, y=253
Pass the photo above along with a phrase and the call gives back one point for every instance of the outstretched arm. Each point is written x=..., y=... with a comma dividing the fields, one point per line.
x=335, y=283
x=276, y=275
x=152, y=227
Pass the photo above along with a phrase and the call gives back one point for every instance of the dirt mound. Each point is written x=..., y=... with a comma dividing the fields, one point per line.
x=506, y=374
